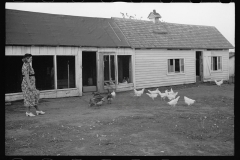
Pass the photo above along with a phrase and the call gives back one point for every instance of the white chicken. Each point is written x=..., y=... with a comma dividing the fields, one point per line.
x=219, y=83
x=152, y=95
x=171, y=92
x=188, y=101
x=163, y=95
x=174, y=101
x=113, y=94
x=172, y=96
x=138, y=93
x=155, y=91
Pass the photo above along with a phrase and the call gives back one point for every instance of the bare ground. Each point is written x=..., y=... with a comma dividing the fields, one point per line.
x=129, y=126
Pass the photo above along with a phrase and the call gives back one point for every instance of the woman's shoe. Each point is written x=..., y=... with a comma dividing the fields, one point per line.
x=40, y=112
x=30, y=114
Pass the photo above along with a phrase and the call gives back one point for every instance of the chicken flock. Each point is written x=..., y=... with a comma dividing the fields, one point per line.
x=170, y=95
x=98, y=100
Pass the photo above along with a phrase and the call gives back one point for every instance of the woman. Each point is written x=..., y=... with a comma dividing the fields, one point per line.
x=30, y=93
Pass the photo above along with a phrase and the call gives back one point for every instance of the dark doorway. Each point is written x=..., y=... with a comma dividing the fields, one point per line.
x=89, y=71
x=198, y=65
x=124, y=68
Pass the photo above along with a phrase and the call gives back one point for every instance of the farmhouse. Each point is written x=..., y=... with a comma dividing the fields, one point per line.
x=73, y=55
x=171, y=54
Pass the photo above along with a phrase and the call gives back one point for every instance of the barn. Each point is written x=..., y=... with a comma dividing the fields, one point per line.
x=73, y=55
x=171, y=54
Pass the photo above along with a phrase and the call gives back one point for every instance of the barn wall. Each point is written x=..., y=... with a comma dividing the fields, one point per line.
x=151, y=68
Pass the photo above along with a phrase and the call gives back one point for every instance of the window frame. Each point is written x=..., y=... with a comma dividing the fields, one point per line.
x=56, y=85
x=176, y=73
x=221, y=66
x=131, y=57
x=115, y=67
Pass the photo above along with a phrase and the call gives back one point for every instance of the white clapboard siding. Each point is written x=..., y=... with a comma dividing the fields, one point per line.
x=16, y=50
x=35, y=50
x=231, y=66
x=8, y=50
x=224, y=74
x=151, y=68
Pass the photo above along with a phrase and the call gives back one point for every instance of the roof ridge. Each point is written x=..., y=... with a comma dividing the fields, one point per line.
x=161, y=22
x=54, y=14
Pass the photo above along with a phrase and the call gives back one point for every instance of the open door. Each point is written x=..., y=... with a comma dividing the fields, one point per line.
x=89, y=71
x=199, y=66
x=206, y=66
x=100, y=82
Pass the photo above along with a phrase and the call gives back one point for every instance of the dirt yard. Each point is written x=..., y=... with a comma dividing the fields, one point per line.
x=130, y=126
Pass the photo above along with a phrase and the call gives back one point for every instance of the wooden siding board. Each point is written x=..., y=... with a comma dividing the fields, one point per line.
x=43, y=51
x=51, y=50
x=25, y=49
x=8, y=50
x=35, y=50
x=17, y=50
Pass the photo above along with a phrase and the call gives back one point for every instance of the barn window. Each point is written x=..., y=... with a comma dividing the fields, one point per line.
x=65, y=72
x=109, y=69
x=13, y=74
x=176, y=65
x=216, y=63
x=124, y=69
x=42, y=66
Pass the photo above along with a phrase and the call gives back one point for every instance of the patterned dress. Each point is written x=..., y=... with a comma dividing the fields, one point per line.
x=31, y=97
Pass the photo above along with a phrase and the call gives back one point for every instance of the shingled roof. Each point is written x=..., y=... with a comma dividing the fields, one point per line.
x=32, y=28
x=146, y=34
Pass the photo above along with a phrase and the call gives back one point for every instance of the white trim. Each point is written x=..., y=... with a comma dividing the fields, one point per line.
x=174, y=74
x=217, y=71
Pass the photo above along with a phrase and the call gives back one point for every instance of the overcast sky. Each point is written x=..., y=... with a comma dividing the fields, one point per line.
x=222, y=16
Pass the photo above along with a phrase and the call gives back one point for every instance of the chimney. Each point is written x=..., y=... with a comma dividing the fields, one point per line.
x=154, y=16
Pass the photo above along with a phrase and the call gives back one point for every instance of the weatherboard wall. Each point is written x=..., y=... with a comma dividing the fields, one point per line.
x=231, y=66
x=224, y=73
x=151, y=68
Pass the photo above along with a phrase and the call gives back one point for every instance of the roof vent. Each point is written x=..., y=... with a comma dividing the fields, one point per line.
x=154, y=16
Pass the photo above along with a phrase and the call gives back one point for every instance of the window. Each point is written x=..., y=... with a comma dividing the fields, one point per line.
x=65, y=72
x=175, y=65
x=117, y=71
x=42, y=66
x=124, y=69
x=109, y=69
x=216, y=63
x=13, y=74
